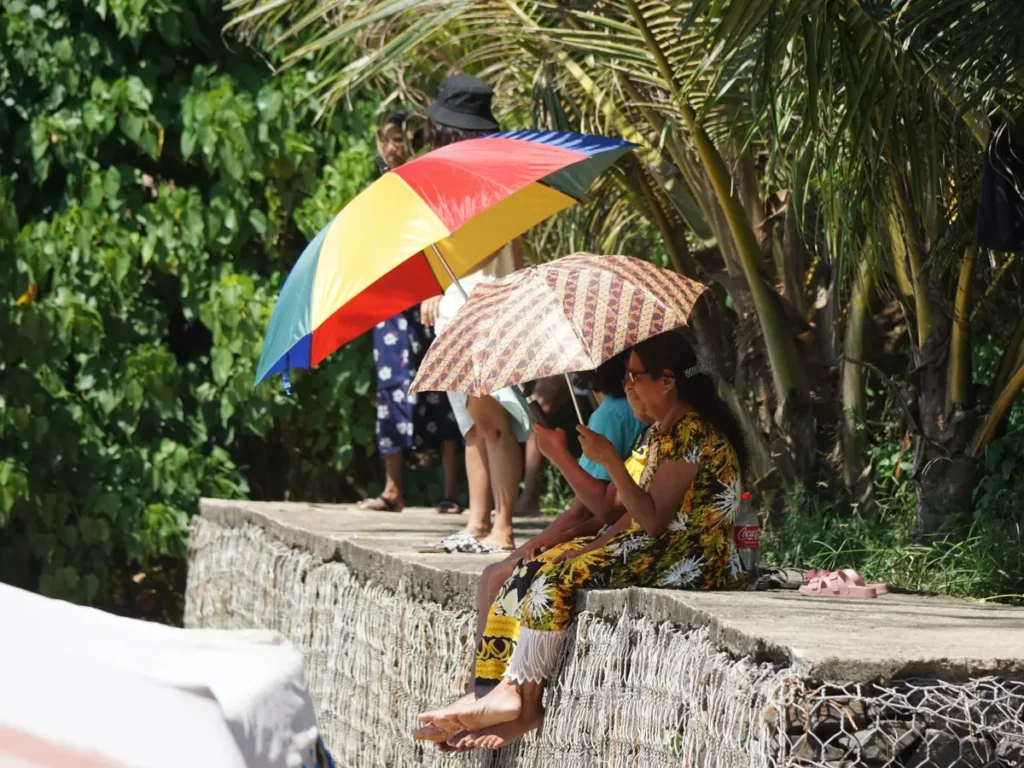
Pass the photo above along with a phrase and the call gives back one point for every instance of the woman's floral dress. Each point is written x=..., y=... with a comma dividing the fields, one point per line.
x=695, y=552
x=407, y=422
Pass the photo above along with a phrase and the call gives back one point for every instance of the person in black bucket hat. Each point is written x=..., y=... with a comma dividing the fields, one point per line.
x=494, y=426
x=464, y=103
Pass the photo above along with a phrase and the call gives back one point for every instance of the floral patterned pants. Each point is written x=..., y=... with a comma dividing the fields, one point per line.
x=539, y=596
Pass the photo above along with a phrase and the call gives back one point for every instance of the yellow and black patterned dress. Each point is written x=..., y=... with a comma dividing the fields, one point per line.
x=695, y=552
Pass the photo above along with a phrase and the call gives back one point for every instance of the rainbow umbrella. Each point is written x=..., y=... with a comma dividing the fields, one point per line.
x=418, y=228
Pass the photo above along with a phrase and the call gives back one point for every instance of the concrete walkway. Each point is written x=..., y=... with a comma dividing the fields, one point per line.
x=836, y=640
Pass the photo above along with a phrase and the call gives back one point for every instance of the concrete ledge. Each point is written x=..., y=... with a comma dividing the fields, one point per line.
x=839, y=641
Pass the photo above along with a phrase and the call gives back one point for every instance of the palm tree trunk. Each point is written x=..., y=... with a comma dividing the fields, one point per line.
x=999, y=410
x=960, y=341
x=793, y=415
x=1013, y=358
x=1006, y=386
x=858, y=483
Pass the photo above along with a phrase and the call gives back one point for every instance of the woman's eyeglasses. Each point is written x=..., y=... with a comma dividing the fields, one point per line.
x=632, y=376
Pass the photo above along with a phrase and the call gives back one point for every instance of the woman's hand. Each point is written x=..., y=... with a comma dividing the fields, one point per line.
x=573, y=553
x=597, y=447
x=550, y=442
x=428, y=311
x=534, y=547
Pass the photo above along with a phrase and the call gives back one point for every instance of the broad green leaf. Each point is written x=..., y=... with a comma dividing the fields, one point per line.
x=220, y=362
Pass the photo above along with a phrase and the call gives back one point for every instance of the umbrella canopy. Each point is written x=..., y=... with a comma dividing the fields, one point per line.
x=570, y=315
x=383, y=252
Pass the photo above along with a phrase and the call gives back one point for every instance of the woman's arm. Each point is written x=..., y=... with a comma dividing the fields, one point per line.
x=652, y=509
x=557, y=531
x=620, y=526
x=588, y=489
x=588, y=527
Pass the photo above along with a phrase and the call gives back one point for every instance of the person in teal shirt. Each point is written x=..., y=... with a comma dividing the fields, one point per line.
x=613, y=418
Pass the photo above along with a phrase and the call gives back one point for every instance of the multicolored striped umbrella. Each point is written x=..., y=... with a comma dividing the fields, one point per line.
x=572, y=314
x=408, y=234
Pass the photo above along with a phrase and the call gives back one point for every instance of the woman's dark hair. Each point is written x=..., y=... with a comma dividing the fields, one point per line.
x=443, y=135
x=398, y=117
x=414, y=141
x=606, y=378
x=672, y=352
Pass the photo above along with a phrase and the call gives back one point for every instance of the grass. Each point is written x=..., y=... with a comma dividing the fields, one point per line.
x=981, y=557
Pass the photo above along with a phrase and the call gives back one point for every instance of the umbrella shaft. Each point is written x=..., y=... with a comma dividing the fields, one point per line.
x=448, y=269
x=520, y=394
x=575, y=402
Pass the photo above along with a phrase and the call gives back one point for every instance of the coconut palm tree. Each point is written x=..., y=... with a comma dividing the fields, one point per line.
x=810, y=158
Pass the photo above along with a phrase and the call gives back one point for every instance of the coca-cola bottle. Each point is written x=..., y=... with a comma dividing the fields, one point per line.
x=746, y=533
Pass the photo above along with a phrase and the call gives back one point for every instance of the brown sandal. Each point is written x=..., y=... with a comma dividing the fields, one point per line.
x=449, y=507
x=380, y=504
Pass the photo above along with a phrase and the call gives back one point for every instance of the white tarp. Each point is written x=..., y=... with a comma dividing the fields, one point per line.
x=134, y=693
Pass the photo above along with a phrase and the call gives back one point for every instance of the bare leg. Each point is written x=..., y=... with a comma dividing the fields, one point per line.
x=533, y=474
x=443, y=720
x=478, y=477
x=393, y=465
x=530, y=718
x=450, y=463
x=491, y=581
x=390, y=499
x=505, y=462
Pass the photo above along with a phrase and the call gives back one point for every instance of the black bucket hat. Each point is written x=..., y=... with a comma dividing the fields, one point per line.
x=464, y=102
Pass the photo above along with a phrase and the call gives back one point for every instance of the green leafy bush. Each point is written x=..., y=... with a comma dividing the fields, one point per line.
x=155, y=189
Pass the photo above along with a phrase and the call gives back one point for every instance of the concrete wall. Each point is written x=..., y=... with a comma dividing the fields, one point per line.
x=385, y=639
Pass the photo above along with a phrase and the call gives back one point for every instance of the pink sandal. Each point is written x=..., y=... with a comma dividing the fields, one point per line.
x=838, y=584
x=854, y=577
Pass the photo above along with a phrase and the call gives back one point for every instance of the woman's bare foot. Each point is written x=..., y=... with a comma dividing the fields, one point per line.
x=443, y=719
x=460, y=742
x=500, y=539
x=498, y=736
x=499, y=706
x=477, y=532
x=431, y=733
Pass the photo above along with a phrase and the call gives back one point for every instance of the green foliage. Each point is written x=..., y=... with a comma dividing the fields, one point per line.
x=981, y=556
x=154, y=192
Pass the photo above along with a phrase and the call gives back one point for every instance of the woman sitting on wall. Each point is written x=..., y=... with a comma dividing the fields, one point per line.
x=679, y=492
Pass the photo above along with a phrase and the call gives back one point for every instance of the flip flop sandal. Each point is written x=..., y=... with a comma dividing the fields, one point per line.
x=779, y=577
x=379, y=504
x=837, y=586
x=448, y=544
x=449, y=507
x=461, y=544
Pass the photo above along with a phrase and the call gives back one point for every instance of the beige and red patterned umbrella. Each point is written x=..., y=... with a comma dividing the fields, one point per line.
x=569, y=315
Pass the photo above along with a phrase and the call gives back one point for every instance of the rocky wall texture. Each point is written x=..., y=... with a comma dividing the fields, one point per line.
x=631, y=691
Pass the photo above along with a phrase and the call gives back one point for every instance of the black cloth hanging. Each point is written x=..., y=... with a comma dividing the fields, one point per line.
x=1000, y=221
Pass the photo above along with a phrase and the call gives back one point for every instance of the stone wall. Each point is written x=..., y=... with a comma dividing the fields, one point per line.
x=382, y=646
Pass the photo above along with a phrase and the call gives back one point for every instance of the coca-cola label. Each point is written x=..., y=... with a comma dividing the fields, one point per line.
x=746, y=536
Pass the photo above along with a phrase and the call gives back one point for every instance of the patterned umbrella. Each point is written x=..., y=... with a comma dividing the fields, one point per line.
x=572, y=314
x=421, y=226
